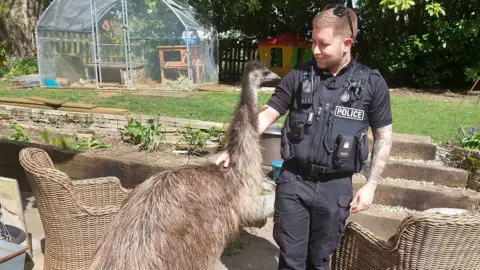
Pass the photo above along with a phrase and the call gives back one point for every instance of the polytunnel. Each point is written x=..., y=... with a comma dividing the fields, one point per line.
x=120, y=44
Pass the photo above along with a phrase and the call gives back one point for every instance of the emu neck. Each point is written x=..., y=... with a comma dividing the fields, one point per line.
x=249, y=97
x=243, y=141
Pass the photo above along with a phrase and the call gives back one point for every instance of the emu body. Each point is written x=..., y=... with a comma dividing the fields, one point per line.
x=183, y=218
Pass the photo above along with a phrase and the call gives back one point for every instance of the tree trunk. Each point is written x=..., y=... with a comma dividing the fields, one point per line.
x=18, y=19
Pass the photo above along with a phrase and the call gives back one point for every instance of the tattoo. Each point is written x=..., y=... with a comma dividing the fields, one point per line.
x=382, y=143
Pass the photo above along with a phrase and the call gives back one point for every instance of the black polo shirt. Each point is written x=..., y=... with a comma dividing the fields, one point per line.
x=376, y=97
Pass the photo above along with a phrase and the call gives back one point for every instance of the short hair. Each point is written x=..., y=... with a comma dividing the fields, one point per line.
x=339, y=24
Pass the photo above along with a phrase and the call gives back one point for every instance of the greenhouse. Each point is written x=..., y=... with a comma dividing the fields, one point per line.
x=120, y=44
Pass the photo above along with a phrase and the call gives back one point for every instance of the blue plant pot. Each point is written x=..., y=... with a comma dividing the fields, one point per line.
x=276, y=166
x=12, y=256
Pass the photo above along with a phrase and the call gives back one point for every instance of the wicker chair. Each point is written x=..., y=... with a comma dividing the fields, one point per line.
x=423, y=241
x=74, y=214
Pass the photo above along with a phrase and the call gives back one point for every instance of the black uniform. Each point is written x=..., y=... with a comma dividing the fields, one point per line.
x=324, y=141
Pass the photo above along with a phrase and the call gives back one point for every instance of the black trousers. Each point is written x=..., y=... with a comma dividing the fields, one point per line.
x=309, y=219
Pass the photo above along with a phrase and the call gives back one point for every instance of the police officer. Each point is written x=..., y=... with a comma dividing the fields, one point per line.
x=331, y=102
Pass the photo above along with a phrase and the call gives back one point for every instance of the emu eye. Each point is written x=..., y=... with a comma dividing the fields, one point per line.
x=265, y=73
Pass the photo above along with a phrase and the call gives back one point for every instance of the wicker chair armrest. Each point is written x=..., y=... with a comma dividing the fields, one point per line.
x=361, y=249
x=100, y=192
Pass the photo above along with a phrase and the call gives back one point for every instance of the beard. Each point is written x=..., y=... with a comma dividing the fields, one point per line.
x=328, y=63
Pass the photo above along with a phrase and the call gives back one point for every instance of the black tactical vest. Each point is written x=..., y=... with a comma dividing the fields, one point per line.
x=326, y=129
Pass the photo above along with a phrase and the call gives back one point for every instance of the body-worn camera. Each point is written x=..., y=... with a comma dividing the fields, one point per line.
x=352, y=92
x=307, y=87
x=344, y=149
x=297, y=130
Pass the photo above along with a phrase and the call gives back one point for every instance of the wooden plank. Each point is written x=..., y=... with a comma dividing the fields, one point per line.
x=109, y=110
x=47, y=101
x=79, y=105
x=26, y=105
x=20, y=100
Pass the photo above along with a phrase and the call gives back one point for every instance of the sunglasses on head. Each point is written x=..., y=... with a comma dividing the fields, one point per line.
x=340, y=11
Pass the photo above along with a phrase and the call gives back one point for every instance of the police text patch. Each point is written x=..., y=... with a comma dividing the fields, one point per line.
x=349, y=113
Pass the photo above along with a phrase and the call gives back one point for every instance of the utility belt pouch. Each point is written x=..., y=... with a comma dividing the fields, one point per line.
x=297, y=130
x=344, y=149
x=307, y=88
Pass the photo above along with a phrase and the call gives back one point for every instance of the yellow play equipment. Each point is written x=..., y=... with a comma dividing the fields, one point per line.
x=283, y=52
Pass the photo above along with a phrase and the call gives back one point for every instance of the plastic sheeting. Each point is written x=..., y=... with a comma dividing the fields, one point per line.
x=126, y=44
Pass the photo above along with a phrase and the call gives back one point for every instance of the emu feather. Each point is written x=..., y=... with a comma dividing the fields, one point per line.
x=183, y=218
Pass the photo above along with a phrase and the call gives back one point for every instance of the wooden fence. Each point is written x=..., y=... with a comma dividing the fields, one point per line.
x=234, y=54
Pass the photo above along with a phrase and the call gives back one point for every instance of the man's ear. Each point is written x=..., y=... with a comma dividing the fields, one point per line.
x=347, y=44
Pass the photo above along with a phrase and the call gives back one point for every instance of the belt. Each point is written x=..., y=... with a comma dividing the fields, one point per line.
x=315, y=171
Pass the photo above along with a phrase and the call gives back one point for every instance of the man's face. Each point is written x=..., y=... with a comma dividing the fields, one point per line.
x=327, y=48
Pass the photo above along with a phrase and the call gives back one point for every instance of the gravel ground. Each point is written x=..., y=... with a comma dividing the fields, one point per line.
x=391, y=209
x=421, y=161
x=418, y=183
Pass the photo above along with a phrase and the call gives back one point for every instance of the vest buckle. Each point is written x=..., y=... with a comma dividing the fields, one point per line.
x=316, y=170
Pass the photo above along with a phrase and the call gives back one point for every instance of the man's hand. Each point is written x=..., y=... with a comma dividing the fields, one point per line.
x=363, y=198
x=224, y=157
x=266, y=116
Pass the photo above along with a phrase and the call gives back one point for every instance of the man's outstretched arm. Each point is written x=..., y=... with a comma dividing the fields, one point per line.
x=382, y=144
x=266, y=116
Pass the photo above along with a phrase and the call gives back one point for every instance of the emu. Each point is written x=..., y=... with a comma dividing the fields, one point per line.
x=183, y=218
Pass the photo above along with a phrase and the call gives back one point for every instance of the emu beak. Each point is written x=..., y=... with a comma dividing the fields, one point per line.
x=272, y=76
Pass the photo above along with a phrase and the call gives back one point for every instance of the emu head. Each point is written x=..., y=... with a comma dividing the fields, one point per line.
x=258, y=73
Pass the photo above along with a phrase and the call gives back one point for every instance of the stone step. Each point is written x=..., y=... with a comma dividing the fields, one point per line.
x=419, y=195
x=425, y=171
x=382, y=220
x=410, y=146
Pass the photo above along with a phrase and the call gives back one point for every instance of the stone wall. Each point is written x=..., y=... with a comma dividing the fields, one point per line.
x=83, y=123
x=469, y=160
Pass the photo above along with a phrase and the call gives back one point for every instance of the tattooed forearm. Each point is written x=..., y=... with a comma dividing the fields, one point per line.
x=382, y=143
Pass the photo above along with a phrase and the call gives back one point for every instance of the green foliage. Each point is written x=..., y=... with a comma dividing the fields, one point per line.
x=71, y=144
x=153, y=136
x=471, y=140
x=58, y=141
x=193, y=137
x=433, y=8
x=274, y=16
x=19, y=134
x=219, y=135
x=150, y=136
x=133, y=132
x=421, y=43
x=19, y=67
x=397, y=5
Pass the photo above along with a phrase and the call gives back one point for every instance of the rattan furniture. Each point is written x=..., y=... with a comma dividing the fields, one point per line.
x=423, y=241
x=74, y=214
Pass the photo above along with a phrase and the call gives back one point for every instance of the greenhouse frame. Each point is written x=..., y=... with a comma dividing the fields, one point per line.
x=120, y=44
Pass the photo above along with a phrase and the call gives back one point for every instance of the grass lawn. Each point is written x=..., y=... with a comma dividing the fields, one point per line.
x=433, y=118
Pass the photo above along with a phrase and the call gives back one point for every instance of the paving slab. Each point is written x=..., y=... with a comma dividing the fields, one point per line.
x=382, y=224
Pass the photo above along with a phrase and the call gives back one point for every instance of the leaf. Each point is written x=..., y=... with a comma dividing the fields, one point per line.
x=442, y=11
